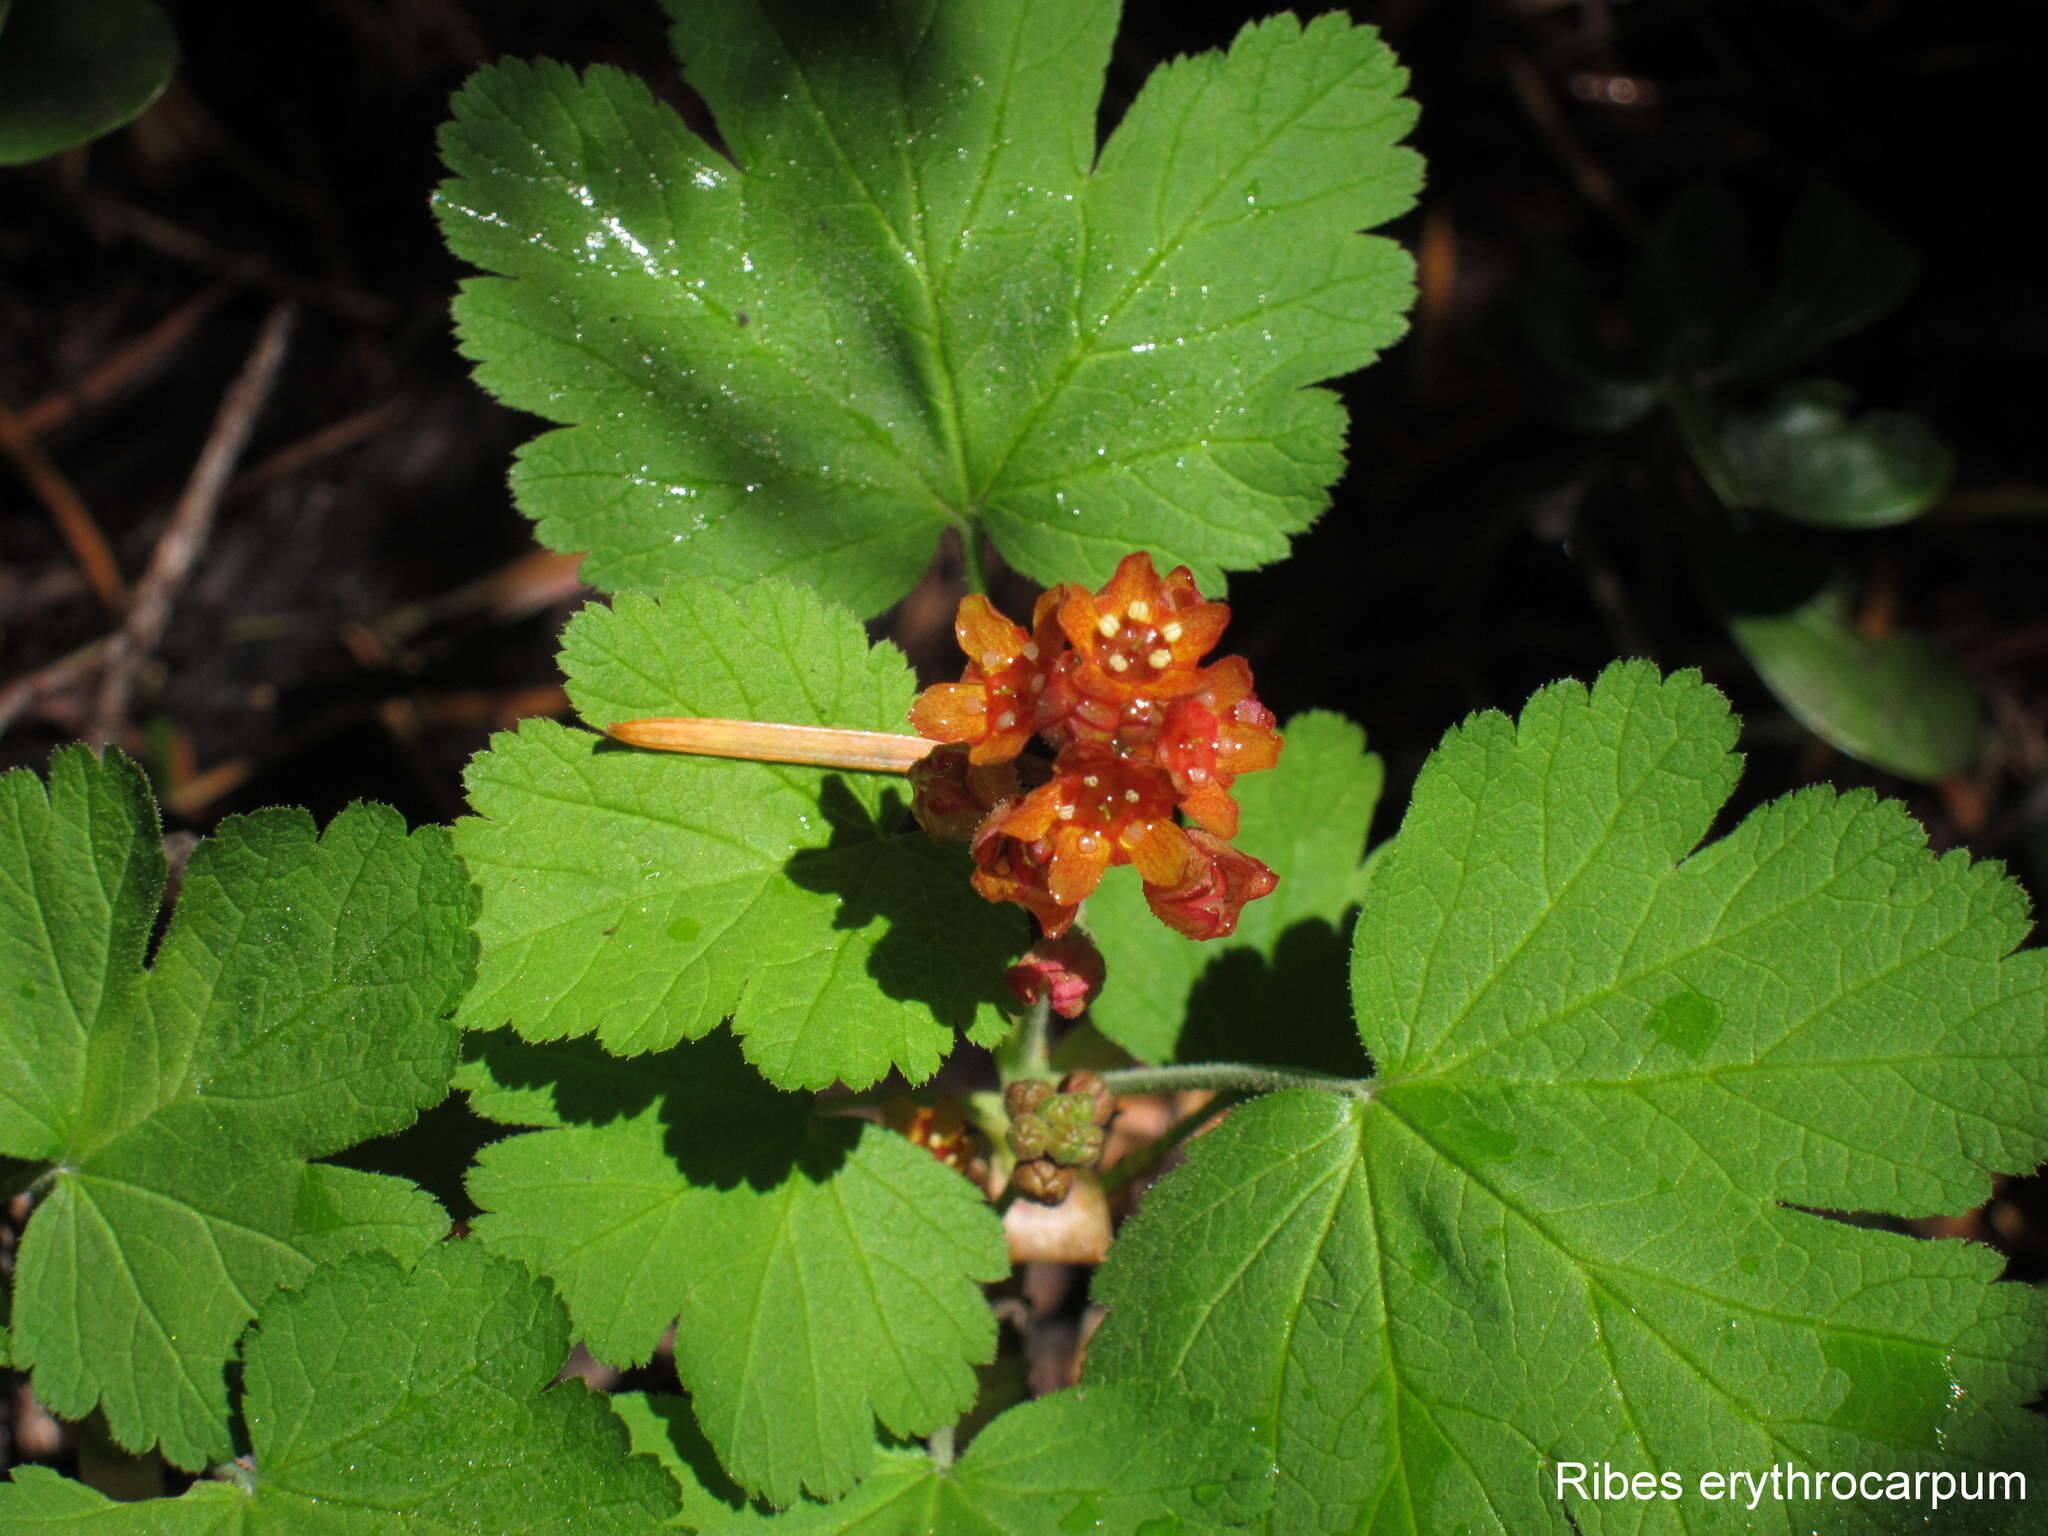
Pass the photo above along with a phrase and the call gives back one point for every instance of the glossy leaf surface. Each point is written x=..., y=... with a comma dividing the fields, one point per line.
x=1891, y=699
x=72, y=70
x=1807, y=458
x=920, y=300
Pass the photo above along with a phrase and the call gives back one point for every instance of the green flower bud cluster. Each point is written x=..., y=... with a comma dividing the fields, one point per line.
x=1052, y=1132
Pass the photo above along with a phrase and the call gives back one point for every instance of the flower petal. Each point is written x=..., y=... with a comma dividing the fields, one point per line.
x=951, y=712
x=1211, y=808
x=1162, y=854
x=1078, y=862
x=985, y=635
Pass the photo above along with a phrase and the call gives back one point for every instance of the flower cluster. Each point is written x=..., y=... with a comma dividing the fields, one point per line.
x=1053, y=1133
x=1140, y=730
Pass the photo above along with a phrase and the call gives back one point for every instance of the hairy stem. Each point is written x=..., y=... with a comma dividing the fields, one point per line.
x=1025, y=1053
x=1232, y=1077
x=974, y=555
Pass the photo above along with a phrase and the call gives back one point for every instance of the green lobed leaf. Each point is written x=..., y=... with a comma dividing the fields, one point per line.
x=821, y=1271
x=644, y=896
x=920, y=300
x=299, y=1003
x=1108, y=1459
x=1560, y=1227
x=73, y=70
x=382, y=1403
x=1274, y=990
x=1806, y=458
x=1895, y=701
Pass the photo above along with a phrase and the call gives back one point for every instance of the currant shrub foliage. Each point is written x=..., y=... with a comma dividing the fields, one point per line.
x=1569, y=1218
x=1589, y=1076
x=921, y=299
x=299, y=1003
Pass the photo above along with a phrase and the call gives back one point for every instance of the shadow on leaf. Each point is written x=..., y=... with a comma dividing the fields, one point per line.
x=1290, y=1011
x=722, y=1123
x=941, y=945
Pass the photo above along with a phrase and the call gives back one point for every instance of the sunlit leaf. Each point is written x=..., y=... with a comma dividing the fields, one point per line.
x=298, y=1004
x=920, y=300
x=1564, y=1222
x=644, y=897
x=382, y=1403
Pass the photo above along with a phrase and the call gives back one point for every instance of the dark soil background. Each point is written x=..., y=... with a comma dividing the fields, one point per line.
x=370, y=605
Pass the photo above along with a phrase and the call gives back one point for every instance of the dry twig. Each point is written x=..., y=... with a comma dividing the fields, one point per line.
x=59, y=674
x=191, y=521
x=130, y=363
x=67, y=509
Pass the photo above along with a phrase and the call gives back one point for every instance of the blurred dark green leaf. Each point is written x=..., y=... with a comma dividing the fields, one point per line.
x=1893, y=701
x=1806, y=457
x=1695, y=282
x=72, y=70
x=1585, y=386
x=1838, y=270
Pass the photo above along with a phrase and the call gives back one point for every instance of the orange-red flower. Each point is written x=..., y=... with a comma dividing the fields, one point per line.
x=1208, y=740
x=1212, y=889
x=994, y=708
x=1140, y=638
x=942, y=1130
x=1098, y=810
x=1115, y=681
x=1007, y=868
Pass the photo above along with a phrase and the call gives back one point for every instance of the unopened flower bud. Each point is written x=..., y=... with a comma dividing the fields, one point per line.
x=1025, y=1095
x=950, y=796
x=1043, y=1181
x=1030, y=1136
x=1065, y=972
x=1091, y=1085
x=1075, y=1110
x=1076, y=1146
